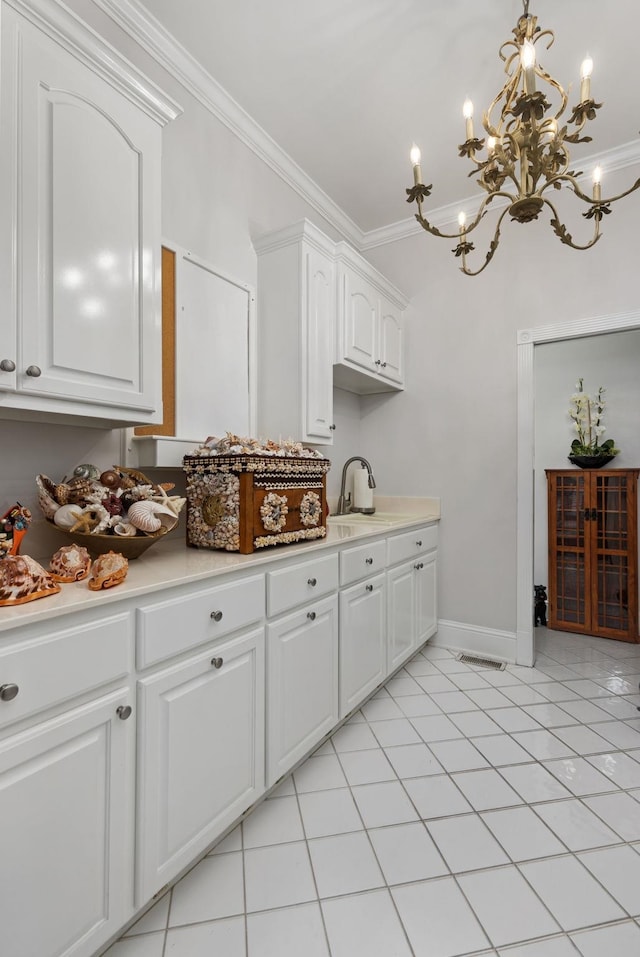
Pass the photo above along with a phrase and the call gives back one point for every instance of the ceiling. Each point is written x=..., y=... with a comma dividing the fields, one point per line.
x=345, y=86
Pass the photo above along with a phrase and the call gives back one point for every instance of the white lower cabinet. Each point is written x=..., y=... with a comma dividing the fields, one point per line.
x=66, y=854
x=302, y=683
x=411, y=607
x=363, y=641
x=200, y=754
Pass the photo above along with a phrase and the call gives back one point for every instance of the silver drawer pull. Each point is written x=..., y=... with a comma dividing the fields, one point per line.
x=419, y=543
x=369, y=587
x=216, y=615
x=312, y=581
x=368, y=561
x=217, y=662
x=34, y=371
x=8, y=365
x=311, y=615
x=8, y=692
x=124, y=711
x=419, y=566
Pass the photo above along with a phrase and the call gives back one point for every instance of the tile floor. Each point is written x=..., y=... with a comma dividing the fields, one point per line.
x=462, y=811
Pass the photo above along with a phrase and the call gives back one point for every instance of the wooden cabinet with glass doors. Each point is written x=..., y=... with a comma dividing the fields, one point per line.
x=593, y=552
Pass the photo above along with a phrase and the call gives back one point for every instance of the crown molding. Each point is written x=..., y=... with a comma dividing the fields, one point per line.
x=142, y=27
x=61, y=24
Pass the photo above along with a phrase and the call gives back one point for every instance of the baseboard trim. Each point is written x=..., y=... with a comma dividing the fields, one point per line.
x=474, y=640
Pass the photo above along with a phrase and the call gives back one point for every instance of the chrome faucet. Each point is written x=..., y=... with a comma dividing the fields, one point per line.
x=344, y=505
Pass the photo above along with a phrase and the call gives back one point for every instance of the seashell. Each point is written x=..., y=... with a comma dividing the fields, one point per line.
x=66, y=516
x=70, y=563
x=78, y=489
x=151, y=517
x=22, y=579
x=61, y=493
x=125, y=529
x=93, y=519
x=108, y=570
x=86, y=471
x=46, y=499
x=111, y=479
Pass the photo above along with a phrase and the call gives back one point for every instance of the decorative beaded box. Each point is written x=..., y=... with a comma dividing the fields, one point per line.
x=243, y=502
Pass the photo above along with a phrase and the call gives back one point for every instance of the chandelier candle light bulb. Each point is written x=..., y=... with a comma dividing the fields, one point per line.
x=467, y=112
x=462, y=221
x=415, y=162
x=528, y=59
x=585, y=79
x=597, y=180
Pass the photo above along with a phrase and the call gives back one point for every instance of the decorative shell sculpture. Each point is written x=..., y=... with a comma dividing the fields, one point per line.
x=70, y=563
x=151, y=517
x=22, y=579
x=108, y=570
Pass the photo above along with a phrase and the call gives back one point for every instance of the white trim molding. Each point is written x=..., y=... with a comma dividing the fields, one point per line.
x=62, y=25
x=527, y=339
x=475, y=640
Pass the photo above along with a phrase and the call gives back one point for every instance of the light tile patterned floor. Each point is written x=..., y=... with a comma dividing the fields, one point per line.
x=462, y=811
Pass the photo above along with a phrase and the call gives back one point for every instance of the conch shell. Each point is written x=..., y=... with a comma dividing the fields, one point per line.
x=151, y=517
x=70, y=563
x=108, y=570
x=23, y=579
x=46, y=498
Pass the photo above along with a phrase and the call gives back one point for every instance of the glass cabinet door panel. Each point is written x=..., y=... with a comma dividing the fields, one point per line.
x=612, y=508
x=569, y=507
x=570, y=587
x=613, y=595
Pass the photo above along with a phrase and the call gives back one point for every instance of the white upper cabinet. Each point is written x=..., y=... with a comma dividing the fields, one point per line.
x=80, y=135
x=296, y=318
x=369, y=331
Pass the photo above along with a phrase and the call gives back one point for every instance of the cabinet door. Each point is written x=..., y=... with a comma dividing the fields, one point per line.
x=360, y=321
x=201, y=755
x=613, y=541
x=391, y=343
x=86, y=223
x=66, y=802
x=569, y=553
x=426, y=578
x=317, y=345
x=363, y=647
x=401, y=614
x=302, y=684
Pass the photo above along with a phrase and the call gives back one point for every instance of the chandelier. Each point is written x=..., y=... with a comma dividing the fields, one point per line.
x=526, y=151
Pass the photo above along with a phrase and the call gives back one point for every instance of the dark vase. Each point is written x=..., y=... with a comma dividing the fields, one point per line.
x=590, y=461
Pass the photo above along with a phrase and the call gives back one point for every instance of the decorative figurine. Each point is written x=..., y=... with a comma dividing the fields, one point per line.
x=540, y=607
x=13, y=527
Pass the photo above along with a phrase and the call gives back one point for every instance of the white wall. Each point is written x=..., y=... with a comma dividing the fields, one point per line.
x=608, y=360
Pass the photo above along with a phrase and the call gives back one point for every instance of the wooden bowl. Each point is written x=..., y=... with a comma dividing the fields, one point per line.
x=99, y=544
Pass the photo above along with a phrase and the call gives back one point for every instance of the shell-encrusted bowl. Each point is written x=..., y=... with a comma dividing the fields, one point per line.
x=131, y=547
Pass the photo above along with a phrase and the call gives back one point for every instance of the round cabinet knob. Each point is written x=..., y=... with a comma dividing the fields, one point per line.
x=217, y=662
x=333, y=427
x=369, y=587
x=368, y=561
x=7, y=365
x=419, y=566
x=384, y=365
x=124, y=711
x=8, y=692
x=419, y=543
x=311, y=615
x=216, y=615
x=312, y=581
x=378, y=362
x=34, y=371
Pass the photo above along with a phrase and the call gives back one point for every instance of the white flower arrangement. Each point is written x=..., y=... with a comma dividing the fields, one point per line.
x=586, y=412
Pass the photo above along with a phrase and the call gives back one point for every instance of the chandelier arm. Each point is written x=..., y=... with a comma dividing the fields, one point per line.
x=572, y=180
x=564, y=236
x=490, y=252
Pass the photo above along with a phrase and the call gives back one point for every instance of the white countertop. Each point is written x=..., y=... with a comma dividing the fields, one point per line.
x=172, y=562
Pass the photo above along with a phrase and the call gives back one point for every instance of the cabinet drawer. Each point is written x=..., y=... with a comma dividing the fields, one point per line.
x=402, y=547
x=301, y=583
x=363, y=560
x=167, y=628
x=61, y=665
